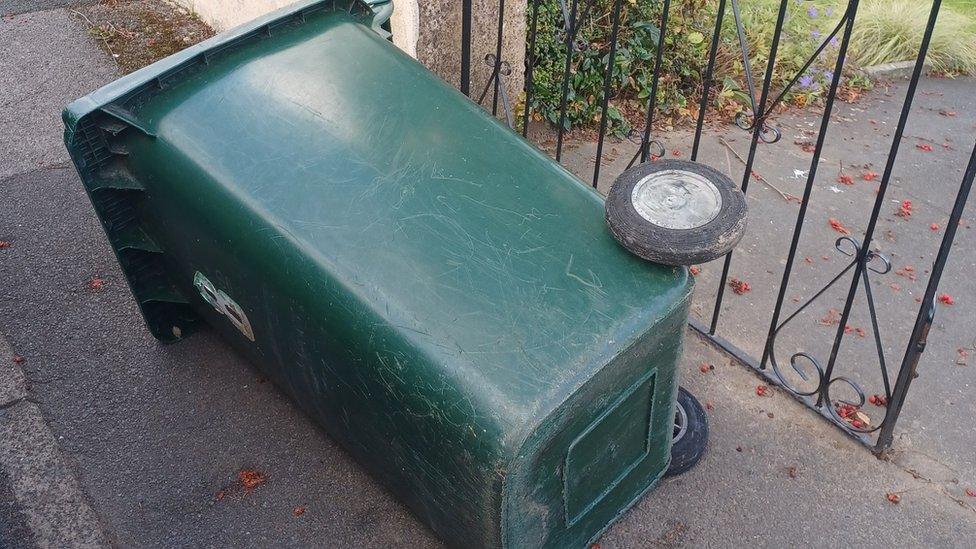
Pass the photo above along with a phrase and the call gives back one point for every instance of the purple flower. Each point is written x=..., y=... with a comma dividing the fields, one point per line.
x=812, y=12
x=828, y=12
x=833, y=41
x=815, y=34
x=806, y=81
x=829, y=75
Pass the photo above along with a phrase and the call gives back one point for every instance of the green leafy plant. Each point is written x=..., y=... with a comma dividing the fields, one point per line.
x=886, y=30
x=633, y=67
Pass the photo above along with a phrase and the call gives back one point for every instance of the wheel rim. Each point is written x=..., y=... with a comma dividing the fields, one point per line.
x=676, y=199
x=680, y=423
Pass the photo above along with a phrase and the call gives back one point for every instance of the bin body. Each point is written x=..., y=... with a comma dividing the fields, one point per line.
x=435, y=292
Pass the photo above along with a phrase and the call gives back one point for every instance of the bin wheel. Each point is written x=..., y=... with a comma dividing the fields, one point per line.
x=676, y=212
x=690, y=434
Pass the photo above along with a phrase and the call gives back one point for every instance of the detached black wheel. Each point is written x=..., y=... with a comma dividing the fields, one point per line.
x=690, y=434
x=676, y=212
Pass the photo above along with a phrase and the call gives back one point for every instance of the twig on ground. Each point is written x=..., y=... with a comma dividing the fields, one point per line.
x=785, y=196
x=92, y=25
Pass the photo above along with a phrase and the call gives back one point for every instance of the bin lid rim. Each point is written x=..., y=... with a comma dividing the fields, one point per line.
x=79, y=108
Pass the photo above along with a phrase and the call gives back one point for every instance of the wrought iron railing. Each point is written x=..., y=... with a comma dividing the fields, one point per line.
x=803, y=374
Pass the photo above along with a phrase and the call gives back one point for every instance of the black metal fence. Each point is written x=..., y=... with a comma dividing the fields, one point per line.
x=802, y=374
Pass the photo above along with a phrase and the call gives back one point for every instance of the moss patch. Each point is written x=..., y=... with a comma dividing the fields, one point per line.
x=137, y=33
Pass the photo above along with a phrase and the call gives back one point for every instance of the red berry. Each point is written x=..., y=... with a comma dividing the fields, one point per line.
x=96, y=284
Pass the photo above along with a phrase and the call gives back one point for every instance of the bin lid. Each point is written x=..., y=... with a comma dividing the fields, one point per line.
x=398, y=189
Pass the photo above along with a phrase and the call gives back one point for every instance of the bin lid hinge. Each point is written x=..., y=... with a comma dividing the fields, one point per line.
x=126, y=117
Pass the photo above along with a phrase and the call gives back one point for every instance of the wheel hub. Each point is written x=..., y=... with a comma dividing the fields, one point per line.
x=680, y=423
x=676, y=199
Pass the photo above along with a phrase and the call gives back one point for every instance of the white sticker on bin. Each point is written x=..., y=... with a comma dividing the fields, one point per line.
x=223, y=304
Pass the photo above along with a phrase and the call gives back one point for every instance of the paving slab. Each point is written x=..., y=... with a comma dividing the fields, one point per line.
x=48, y=60
x=43, y=488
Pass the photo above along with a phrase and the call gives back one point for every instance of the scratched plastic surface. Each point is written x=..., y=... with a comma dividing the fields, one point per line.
x=443, y=298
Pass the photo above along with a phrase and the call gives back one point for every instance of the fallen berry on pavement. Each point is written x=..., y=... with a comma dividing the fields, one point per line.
x=904, y=209
x=946, y=299
x=4, y=244
x=845, y=179
x=907, y=271
x=298, y=511
x=971, y=492
x=761, y=390
x=892, y=497
x=739, y=286
x=924, y=147
x=18, y=359
x=694, y=270
x=868, y=176
x=96, y=284
x=250, y=478
x=836, y=225
x=832, y=317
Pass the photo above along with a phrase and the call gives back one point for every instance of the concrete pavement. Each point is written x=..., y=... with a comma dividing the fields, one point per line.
x=936, y=425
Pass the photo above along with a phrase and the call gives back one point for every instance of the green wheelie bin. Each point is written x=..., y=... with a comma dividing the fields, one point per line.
x=439, y=295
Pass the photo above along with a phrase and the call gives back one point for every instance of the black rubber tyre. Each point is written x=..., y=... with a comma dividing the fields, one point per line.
x=690, y=212
x=688, y=447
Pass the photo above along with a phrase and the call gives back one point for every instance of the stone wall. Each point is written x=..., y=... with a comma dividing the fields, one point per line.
x=439, y=44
